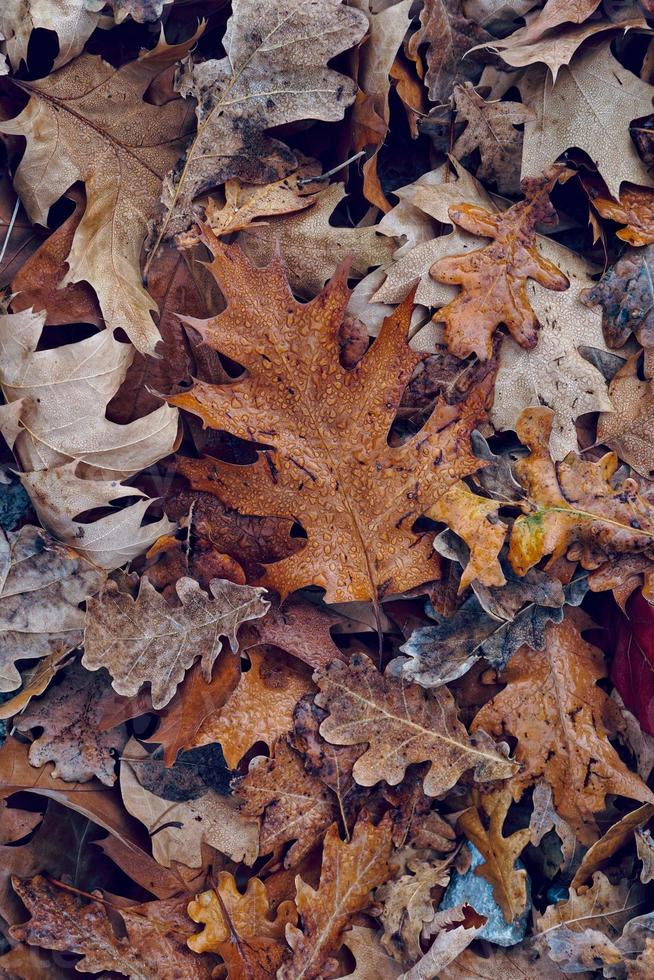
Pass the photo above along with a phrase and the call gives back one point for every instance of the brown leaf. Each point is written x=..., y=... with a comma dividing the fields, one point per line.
x=257, y=87
x=62, y=922
x=635, y=209
x=372, y=963
x=259, y=710
x=71, y=738
x=450, y=35
x=238, y=927
x=293, y=805
x=553, y=706
x=299, y=628
x=645, y=852
x=616, y=837
x=89, y=121
x=491, y=130
x=244, y=203
x=42, y=586
x=446, y=947
x=475, y=520
x=401, y=724
x=483, y=825
x=332, y=468
x=573, y=508
x=144, y=640
x=350, y=871
x=37, y=281
x=409, y=907
x=627, y=429
x=494, y=278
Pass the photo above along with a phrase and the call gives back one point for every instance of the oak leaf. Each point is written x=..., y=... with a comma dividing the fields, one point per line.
x=293, y=805
x=238, y=926
x=408, y=907
x=259, y=709
x=616, y=837
x=68, y=716
x=311, y=247
x=89, y=121
x=42, y=585
x=142, y=11
x=491, y=128
x=493, y=279
x=450, y=36
x=145, y=640
x=553, y=706
x=401, y=724
x=447, y=946
x=60, y=921
x=572, y=508
x=634, y=209
x=350, y=871
x=71, y=20
x=567, y=114
x=627, y=428
x=372, y=962
x=274, y=72
x=475, y=520
x=482, y=824
x=332, y=468
x=245, y=203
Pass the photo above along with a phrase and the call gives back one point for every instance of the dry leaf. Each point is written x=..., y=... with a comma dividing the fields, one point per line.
x=408, y=907
x=294, y=805
x=401, y=724
x=617, y=836
x=446, y=947
x=68, y=716
x=274, y=72
x=42, y=586
x=239, y=927
x=572, y=113
x=475, y=520
x=259, y=710
x=483, y=825
x=553, y=706
x=626, y=429
x=145, y=640
x=635, y=209
x=645, y=852
x=332, y=468
x=372, y=963
x=73, y=22
x=178, y=829
x=89, y=121
x=350, y=871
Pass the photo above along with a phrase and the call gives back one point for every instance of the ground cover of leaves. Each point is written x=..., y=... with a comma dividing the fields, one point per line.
x=327, y=489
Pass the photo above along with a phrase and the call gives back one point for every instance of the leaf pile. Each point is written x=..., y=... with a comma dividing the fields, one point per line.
x=326, y=500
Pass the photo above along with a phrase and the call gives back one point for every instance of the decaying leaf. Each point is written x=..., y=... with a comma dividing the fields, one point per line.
x=402, y=724
x=240, y=927
x=635, y=209
x=332, y=468
x=553, y=706
x=475, y=520
x=68, y=715
x=350, y=871
x=408, y=907
x=42, y=587
x=135, y=637
x=293, y=805
x=274, y=72
x=626, y=429
x=73, y=21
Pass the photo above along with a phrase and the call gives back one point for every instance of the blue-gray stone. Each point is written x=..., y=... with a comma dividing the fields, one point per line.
x=476, y=891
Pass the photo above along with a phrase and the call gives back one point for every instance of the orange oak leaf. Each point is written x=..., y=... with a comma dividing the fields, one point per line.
x=350, y=871
x=259, y=710
x=493, y=279
x=239, y=928
x=331, y=467
x=634, y=209
x=573, y=507
x=562, y=721
x=482, y=824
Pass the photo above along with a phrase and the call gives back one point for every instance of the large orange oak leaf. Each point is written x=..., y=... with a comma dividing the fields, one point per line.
x=331, y=467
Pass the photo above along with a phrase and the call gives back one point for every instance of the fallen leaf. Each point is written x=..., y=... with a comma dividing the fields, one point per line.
x=315, y=418
x=553, y=706
x=89, y=121
x=568, y=114
x=635, y=209
x=402, y=725
x=493, y=279
x=293, y=805
x=625, y=429
x=372, y=963
x=42, y=586
x=350, y=871
x=475, y=520
x=408, y=907
x=616, y=837
x=68, y=717
x=71, y=20
x=645, y=852
x=286, y=47
x=145, y=640
x=544, y=819
x=446, y=947
x=260, y=709
x=244, y=203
